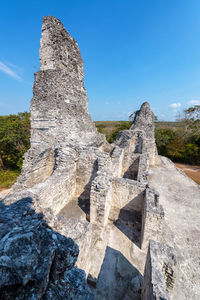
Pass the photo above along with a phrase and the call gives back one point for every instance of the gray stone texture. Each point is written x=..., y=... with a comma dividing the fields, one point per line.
x=35, y=261
x=152, y=217
x=144, y=120
x=159, y=275
x=59, y=108
x=179, y=196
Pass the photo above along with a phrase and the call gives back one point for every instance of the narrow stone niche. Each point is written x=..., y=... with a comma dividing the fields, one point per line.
x=126, y=209
x=139, y=144
x=132, y=171
x=79, y=205
x=85, y=184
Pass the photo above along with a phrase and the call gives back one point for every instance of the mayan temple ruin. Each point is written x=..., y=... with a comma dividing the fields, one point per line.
x=88, y=219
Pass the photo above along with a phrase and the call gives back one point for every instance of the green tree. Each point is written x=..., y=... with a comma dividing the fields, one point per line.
x=175, y=148
x=192, y=121
x=191, y=154
x=163, y=137
x=14, y=139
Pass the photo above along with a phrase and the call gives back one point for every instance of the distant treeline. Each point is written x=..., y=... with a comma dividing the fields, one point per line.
x=180, y=141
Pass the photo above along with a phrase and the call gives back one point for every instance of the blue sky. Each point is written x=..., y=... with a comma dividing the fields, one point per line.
x=133, y=51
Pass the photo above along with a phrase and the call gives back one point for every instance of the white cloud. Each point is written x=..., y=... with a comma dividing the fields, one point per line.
x=5, y=69
x=194, y=102
x=118, y=102
x=107, y=103
x=175, y=105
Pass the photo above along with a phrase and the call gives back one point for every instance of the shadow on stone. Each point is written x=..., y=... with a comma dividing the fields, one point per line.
x=118, y=278
x=35, y=261
x=132, y=171
x=84, y=198
x=129, y=221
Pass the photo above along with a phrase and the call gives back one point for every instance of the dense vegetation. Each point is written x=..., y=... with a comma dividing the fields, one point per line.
x=14, y=140
x=179, y=140
x=181, y=143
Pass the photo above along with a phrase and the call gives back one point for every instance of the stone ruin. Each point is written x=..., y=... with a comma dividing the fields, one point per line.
x=84, y=208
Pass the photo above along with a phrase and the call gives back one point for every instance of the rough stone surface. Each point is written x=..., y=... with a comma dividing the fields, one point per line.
x=180, y=198
x=117, y=278
x=152, y=217
x=35, y=261
x=144, y=120
x=159, y=275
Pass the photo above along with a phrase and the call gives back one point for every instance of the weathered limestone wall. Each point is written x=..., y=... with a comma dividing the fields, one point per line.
x=179, y=196
x=127, y=195
x=159, y=272
x=101, y=193
x=86, y=169
x=38, y=167
x=152, y=217
x=117, y=156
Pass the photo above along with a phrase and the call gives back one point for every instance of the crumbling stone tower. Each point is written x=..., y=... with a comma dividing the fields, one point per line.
x=59, y=108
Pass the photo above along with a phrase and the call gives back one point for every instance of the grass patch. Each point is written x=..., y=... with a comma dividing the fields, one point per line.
x=8, y=178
